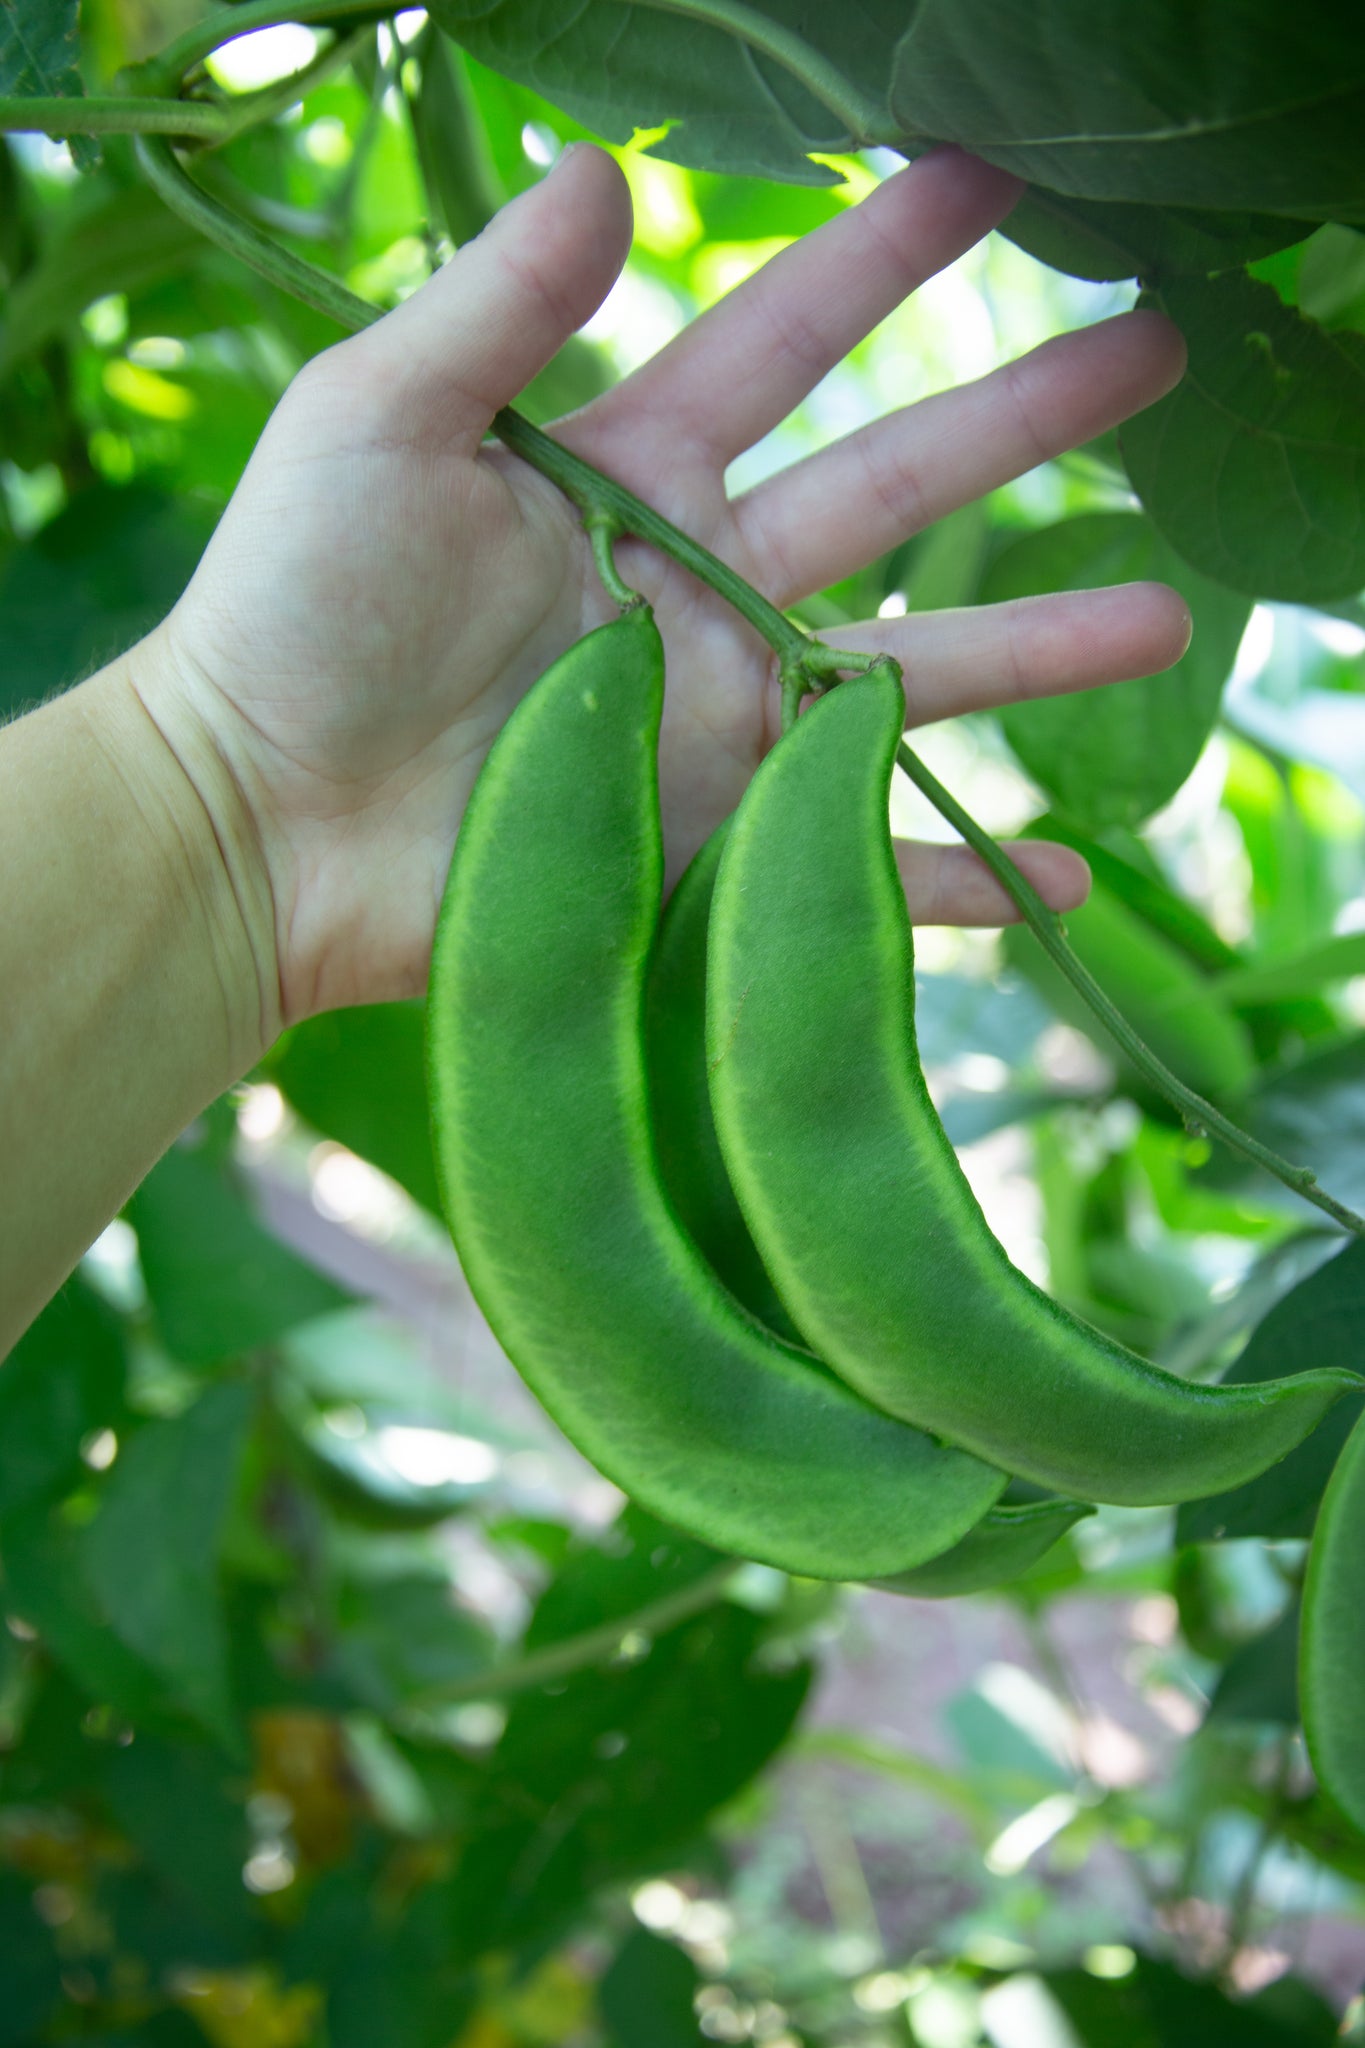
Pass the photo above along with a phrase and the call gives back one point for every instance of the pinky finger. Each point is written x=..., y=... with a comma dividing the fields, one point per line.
x=951, y=885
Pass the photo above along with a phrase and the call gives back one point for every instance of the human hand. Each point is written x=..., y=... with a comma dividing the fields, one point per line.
x=384, y=588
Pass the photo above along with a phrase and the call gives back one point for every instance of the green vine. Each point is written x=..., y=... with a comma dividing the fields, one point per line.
x=609, y=510
x=116, y=114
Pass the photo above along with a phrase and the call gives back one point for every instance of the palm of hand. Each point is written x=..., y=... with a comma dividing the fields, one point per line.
x=408, y=584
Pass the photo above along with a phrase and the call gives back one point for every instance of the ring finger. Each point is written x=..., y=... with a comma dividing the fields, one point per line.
x=827, y=515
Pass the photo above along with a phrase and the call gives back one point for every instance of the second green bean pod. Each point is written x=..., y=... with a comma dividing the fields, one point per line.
x=854, y=1195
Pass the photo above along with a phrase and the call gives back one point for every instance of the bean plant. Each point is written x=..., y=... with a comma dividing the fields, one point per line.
x=327, y=1718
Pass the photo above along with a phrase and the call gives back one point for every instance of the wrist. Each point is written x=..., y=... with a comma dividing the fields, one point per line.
x=201, y=838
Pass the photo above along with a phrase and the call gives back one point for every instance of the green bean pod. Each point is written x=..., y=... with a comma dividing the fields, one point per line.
x=680, y=1099
x=550, y=1179
x=852, y=1191
x=1002, y=1546
x=1332, y=1634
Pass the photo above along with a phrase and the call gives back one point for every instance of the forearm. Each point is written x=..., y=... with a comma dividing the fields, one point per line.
x=134, y=983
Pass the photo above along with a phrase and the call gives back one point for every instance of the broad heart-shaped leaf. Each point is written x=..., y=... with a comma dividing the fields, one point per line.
x=1319, y=1322
x=1106, y=240
x=1261, y=107
x=1113, y=756
x=1254, y=466
x=618, y=67
x=90, y=583
x=219, y=1283
x=63, y=1380
x=151, y=1554
x=358, y=1076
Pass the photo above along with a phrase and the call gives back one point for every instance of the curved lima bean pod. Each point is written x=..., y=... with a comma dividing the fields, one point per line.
x=536, y=1070
x=1332, y=1634
x=680, y=1100
x=1004, y=1544
x=852, y=1191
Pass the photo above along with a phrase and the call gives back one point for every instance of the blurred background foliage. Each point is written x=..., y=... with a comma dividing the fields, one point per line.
x=339, y=1703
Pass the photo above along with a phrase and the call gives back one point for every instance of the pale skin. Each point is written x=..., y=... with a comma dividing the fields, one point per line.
x=249, y=816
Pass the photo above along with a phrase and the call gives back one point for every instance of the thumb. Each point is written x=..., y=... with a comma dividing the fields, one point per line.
x=479, y=330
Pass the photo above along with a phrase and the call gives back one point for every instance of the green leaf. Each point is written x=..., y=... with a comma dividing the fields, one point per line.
x=40, y=57
x=646, y=1997
x=218, y=1282
x=63, y=1380
x=1253, y=468
x=170, y=1799
x=1113, y=756
x=600, y=1776
x=1124, y=867
x=121, y=244
x=1156, y=2007
x=463, y=188
x=359, y=1076
x=90, y=583
x=1106, y=241
x=1319, y=1322
x=151, y=1555
x=1316, y=967
x=631, y=1564
x=1263, y=109
x=46, y=1585
x=1165, y=998
x=402, y=1636
x=1313, y=1114
x=617, y=68
x=38, y=49
x=32, y=1972
x=604, y=1778
x=1259, y=1682
x=362, y=1485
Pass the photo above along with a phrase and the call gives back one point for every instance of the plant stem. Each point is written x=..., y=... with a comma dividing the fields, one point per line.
x=251, y=109
x=601, y=534
x=209, y=121
x=118, y=114
x=864, y=119
x=170, y=66
x=302, y=280
x=595, y=494
x=1047, y=927
x=593, y=1646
